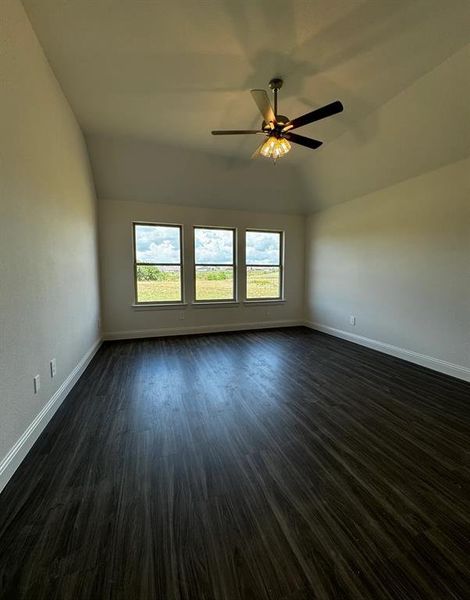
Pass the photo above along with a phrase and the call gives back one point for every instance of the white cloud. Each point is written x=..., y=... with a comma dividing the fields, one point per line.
x=161, y=244
x=262, y=248
x=213, y=246
x=158, y=244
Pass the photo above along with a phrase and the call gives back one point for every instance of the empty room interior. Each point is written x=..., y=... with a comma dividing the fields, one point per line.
x=234, y=300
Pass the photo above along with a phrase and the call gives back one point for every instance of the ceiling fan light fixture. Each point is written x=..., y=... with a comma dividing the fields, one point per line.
x=275, y=147
x=278, y=128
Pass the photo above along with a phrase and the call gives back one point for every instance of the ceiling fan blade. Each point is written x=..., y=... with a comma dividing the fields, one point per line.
x=316, y=115
x=235, y=131
x=302, y=140
x=264, y=105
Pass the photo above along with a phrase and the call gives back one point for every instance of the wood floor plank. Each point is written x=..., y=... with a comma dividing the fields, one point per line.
x=265, y=465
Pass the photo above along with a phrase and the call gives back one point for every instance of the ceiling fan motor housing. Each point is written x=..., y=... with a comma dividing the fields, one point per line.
x=276, y=83
x=281, y=121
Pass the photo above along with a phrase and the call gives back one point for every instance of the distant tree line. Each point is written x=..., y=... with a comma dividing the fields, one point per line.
x=151, y=273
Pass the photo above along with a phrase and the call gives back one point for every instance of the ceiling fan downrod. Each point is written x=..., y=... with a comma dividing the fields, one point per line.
x=275, y=84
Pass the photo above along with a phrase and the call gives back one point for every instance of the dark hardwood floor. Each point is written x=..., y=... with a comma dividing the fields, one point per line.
x=266, y=465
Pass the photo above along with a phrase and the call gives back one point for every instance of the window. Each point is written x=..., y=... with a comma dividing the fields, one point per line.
x=264, y=269
x=158, y=263
x=214, y=264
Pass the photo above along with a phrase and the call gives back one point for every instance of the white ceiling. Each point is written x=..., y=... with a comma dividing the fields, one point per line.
x=164, y=73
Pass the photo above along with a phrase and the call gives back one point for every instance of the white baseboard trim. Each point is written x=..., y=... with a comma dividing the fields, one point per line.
x=424, y=360
x=170, y=331
x=17, y=453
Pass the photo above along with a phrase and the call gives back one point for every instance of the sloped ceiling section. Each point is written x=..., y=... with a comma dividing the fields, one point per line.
x=128, y=168
x=425, y=127
x=149, y=79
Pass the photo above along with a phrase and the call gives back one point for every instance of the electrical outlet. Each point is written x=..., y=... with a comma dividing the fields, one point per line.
x=53, y=367
x=352, y=320
x=37, y=384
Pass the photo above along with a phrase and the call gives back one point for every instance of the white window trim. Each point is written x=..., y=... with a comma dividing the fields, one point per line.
x=163, y=303
x=233, y=265
x=281, y=298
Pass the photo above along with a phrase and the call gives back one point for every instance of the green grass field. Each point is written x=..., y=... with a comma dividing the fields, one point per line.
x=159, y=291
x=261, y=283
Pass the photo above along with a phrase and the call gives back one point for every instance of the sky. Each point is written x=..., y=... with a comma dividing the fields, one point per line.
x=160, y=244
x=262, y=247
x=157, y=244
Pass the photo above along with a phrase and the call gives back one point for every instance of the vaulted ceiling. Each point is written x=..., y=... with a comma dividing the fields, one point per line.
x=149, y=79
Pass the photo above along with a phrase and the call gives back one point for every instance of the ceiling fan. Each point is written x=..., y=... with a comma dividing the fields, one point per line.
x=278, y=128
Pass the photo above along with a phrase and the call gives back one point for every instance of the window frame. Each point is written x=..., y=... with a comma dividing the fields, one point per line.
x=281, y=296
x=138, y=264
x=233, y=265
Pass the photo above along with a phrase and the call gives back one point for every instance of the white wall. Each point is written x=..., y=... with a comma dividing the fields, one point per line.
x=120, y=319
x=49, y=301
x=399, y=260
x=395, y=251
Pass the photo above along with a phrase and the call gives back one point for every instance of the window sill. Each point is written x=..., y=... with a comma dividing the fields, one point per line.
x=266, y=301
x=215, y=303
x=160, y=306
